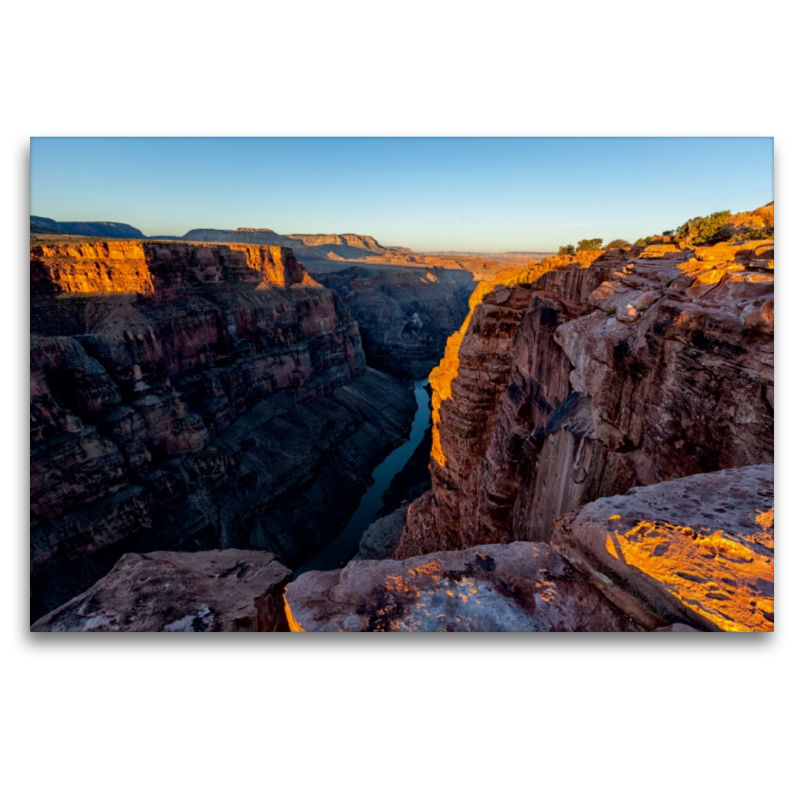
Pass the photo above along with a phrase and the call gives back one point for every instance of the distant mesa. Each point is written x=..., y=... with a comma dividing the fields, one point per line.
x=320, y=252
x=108, y=230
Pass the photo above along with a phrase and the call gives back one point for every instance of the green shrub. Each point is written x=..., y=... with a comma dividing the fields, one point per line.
x=701, y=229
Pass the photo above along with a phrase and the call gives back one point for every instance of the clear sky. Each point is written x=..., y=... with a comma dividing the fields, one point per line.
x=487, y=195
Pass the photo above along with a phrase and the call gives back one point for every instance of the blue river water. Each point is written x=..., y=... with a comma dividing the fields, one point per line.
x=345, y=545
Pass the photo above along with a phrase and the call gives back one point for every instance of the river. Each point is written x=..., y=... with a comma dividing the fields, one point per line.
x=345, y=545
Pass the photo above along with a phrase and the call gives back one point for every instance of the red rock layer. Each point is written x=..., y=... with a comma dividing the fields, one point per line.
x=123, y=267
x=633, y=367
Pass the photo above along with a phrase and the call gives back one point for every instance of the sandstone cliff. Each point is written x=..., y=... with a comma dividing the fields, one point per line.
x=625, y=368
x=192, y=396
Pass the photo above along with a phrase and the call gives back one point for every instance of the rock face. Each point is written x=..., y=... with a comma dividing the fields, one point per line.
x=380, y=540
x=695, y=551
x=163, y=269
x=762, y=219
x=306, y=245
x=584, y=379
x=192, y=396
x=405, y=316
x=517, y=587
x=223, y=590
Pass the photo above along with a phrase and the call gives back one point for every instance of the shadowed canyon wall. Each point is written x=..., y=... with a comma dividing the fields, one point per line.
x=192, y=397
x=405, y=316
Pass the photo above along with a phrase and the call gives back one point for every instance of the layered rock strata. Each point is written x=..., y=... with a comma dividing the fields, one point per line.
x=696, y=551
x=405, y=316
x=227, y=590
x=193, y=396
x=625, y=368
x=518, y=587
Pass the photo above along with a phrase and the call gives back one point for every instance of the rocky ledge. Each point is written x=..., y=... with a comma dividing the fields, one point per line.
x=696, y=550
x=518, y=587
x=692, y=554
x=224, y=590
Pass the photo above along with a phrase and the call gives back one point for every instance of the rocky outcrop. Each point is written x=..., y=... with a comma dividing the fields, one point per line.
x=405, y=316
x=762, y=219
x=380, y=540
x=623, y=369
x=223, y=590
x=695, y=551
x=517, y=587
x=193, y=396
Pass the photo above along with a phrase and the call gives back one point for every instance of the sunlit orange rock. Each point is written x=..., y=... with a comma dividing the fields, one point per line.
x=624, y=372
x=763, y=217
x=506, y=340
x=697, y=551
x=136, y=267
x=218, y=590
x=517, y=587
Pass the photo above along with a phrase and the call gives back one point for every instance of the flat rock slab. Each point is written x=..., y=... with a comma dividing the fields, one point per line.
x=216, y=590
x=696, y=550
x=515, y=587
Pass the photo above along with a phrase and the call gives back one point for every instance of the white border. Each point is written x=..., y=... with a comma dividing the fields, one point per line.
x=139, y=716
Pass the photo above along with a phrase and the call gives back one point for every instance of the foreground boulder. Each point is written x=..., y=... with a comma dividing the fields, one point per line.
x=695, y=551
x=516, y=587
x=218, y=590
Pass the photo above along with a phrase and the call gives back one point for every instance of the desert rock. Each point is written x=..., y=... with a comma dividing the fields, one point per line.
x=695, y=551
x=517, y=587
x=223, y=590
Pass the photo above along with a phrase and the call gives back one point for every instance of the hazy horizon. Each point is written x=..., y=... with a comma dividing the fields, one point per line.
x=429, y=194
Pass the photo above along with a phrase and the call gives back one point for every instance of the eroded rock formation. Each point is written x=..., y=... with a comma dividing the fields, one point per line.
x=697, y=551
x=518, y=587
x=223, y=590
x=625, y=368
x=405, y=316
x=192, y=396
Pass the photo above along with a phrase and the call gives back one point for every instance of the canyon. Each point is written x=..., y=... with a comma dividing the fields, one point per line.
x=191, y=397
x=600, y=456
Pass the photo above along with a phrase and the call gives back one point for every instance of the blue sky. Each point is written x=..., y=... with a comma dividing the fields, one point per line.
x=428, y=194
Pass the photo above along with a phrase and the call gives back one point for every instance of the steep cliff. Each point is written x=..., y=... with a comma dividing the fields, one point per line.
x=625, y=368
x=405, y=316
x=192, y=396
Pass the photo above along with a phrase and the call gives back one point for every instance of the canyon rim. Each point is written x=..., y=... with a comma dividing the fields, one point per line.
x=240, y=429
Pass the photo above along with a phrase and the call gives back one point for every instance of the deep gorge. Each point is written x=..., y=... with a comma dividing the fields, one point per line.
x=193, y=397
